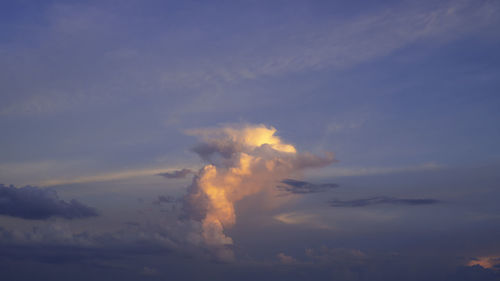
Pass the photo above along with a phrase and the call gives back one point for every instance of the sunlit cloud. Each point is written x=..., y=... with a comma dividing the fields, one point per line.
x=286, y=259
x=310, y=220
x=51, y=173
x=339, y=221
x=490, y=262
x=242, y=160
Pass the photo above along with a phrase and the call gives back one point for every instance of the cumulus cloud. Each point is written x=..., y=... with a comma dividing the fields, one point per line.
x=242, y=160
x=303, y=187
x=381, y=200
x=177, y=174
x=34, y=203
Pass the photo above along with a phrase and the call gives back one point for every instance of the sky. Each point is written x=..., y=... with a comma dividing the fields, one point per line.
x=250, y=140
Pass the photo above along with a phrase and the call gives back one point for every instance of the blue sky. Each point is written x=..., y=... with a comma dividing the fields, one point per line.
x=98, y=97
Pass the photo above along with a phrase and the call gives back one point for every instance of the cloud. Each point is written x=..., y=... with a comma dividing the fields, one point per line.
x=325, y=255
x=176, y=174
x=285, y=259
x=310, y=220
x=48, y=173
x=242, y=160
x=335, y=44
x=145, y=235
x=303, y=187
x=342, y=261
x=491, y=262
x=475, y=272
x=369, y=171
x=34, y=203
x=290, y=48
x=381, y=200
x=165, y=199
x=149, y=271
x=57, y=244
x=120, y=175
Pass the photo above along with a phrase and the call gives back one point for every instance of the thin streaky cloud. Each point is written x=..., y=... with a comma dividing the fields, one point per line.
x=302, y=187
x=289, y=49
x=382, y=201
x=127, y=174
x=340, y=44
x=369, y=171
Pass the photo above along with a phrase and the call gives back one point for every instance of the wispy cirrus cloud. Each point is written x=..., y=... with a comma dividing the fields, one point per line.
x=119, y=175
x=341, y=43
x=52, y=172
x=370, y=171
x=280, y=49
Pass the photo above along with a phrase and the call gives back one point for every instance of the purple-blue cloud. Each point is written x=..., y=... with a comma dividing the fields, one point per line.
x=177, y=174
x=303, y=187
x=382, y=200
x=35, y=203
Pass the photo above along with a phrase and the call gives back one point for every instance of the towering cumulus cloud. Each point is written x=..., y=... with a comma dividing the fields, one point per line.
x=242, y=160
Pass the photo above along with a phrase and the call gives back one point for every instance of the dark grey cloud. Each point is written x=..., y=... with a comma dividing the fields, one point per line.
x=195, y=203
x=165, y=199
x=303, y=187
x=35, y=203
x=178, y=174
x=381, y=200
x=476, y=272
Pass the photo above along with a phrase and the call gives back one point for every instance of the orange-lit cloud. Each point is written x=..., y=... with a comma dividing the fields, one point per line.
x=491, y=262
x=243, y=160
